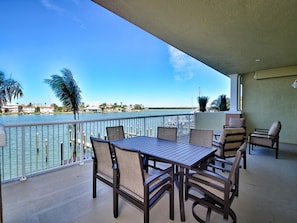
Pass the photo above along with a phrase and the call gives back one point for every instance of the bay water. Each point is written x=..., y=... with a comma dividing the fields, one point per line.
x=32, y=118
x=38, y=148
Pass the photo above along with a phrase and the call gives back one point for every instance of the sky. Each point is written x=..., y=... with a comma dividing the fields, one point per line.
x=112, y=60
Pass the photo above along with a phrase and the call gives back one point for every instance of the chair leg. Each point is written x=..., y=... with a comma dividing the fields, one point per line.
x=94, y=187
x=276, y=150
x=244, y=160
x=249, y=148
x=115, y=204
x=146, y=214
x=171, y=201
x=187, y=187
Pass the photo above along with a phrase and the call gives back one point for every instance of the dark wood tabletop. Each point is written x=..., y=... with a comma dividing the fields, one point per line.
x=182, y=154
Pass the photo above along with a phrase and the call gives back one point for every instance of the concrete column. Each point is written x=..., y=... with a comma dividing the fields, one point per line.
x=235, y=94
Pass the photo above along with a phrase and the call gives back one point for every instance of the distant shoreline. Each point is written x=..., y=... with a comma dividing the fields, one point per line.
x=169, y=108
x=81, y=112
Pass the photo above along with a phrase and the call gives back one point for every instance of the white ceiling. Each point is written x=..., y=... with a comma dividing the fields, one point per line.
x=231, y=36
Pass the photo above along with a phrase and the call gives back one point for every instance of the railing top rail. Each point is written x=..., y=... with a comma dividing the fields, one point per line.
x=89, y=120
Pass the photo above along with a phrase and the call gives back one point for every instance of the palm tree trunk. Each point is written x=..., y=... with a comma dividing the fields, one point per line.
x=75, y=138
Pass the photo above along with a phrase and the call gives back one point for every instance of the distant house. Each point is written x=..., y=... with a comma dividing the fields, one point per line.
x=28, y=109
x=92, y=109
x=10, y=108
x=46, y=109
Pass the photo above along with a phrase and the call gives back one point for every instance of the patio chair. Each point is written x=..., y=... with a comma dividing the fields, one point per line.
x=268, y=138
x=137, y=186
x=102, y=162
x=201, y=137
x=214, y=191
x=229, y=142
x=167, y=133
x=115, y=133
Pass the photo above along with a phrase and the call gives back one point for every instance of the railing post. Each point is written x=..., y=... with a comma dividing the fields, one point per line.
x=81, y=144
x=144, y=126
x=23, y=156
x=62, y=156
x=37, y=143
x=46, y=151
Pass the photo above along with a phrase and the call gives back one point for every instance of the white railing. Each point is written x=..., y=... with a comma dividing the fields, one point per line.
x=35, y=148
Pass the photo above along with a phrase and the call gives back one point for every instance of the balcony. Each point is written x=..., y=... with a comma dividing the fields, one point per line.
x=63, y=193
x=267, y=194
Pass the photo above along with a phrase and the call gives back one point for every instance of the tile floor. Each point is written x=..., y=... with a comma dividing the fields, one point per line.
x=267, y=194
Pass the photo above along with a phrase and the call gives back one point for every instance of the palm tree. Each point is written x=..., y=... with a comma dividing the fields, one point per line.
x=9, y=89
x=67, y=90
x=220, y=104
x=202, y=101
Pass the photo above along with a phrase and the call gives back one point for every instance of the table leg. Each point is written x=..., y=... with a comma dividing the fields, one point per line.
x=181, y=194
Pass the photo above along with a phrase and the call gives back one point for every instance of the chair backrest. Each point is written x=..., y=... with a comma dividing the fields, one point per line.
x=168, y=133
x=232, y=138
x=131, y=174
x=235, y=166
x=115, y=133
x=201, y=137
x=236, y=122
x=275, y=128
x=102, y=153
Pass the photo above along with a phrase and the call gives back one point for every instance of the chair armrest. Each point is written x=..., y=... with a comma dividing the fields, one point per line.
x=211, y=175
x=219, y=167
x=217, y=143
x=262, y=135
x=156, y=176
x=156, y=181
x=259, y=133
x=261, y=130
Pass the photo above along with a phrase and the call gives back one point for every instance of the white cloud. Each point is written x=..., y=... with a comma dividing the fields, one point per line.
x=49, y=4
x=184, y=66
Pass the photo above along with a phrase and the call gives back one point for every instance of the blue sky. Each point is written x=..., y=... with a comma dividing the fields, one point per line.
x=112, y=60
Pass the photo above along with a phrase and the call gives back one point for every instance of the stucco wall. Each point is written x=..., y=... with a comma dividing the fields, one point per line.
x=267, y=100
x=210, y=120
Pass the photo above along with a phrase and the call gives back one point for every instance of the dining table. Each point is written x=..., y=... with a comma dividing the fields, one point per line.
x=183, y=155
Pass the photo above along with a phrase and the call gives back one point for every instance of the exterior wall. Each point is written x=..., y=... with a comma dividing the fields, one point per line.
x=271, y=99
x=210, y=120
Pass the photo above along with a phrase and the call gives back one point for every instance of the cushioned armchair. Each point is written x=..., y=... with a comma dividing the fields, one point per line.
x=229, y=142
x=268, y=138
x=216, y=192
x=236, y=123
x=137, y=186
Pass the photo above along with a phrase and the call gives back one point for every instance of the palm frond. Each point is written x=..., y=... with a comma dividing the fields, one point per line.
x=9, y=89
x=66, y=89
